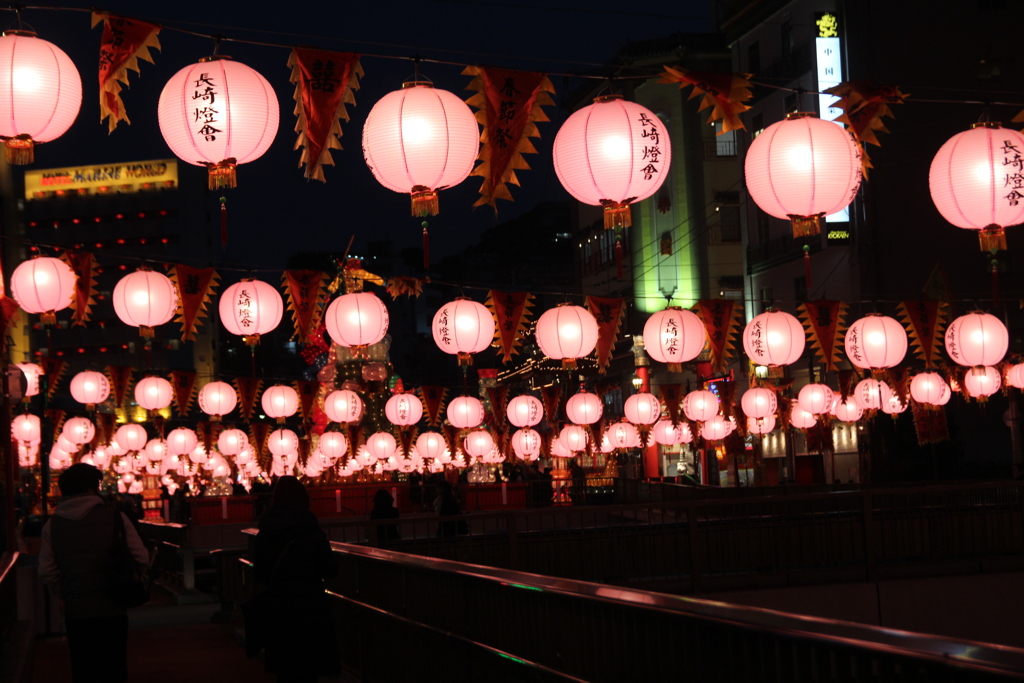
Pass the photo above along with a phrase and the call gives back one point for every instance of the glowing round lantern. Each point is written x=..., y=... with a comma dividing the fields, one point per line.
x=251, y=308
x=283, y=442
x=79, y=430
x=574, y=437
x=668, y=434
x=431, y=445
x=199, y=455
x=217, y=399
x=232, y=442
x=43, y=285
x=944, y=395
x=90, y=387
x=800, y=418
x=815, y=399
x=525, y=411
x=463, y=327
x=465, y=412
x=584, y=408
x=32, y=373
x=65, y=444
x=926, y=387
x=674, y=336
x=968, y=181
x=803, y=168
x=356, y=320
x=566, y=333
x=404, y=409
x=132, y=437
x=145, y=299
x=334, y=445
x=478, y=443
x=558, y=450
x=760, y=425
x=181, y=441
x=526, y=443
x=700, y=405
x=716, y=429
x=26, y=427
x=848, y=411
x=343, y=405
x=156, y=449
x=642, y=408
x=153, y=393
x=623, y=435
x=876, y=342
x=419, y=140
x=982, y=382
x=759, y=402
x=977, y=339
x=774, y=338
x=41, y=94
x=1015, y=376
x=381, y=445
x=894, y=405
x=218, y=113
x=870, y=394
x=280, y=401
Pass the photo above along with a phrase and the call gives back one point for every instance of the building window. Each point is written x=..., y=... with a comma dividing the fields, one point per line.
x=754, y=58
x=728, y=207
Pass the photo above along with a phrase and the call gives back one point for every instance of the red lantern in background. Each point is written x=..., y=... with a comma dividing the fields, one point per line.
x=566, y=333
x=32, y=373
x=432, y=445
x=800, y=418
x=674, y=336
x=894, y=405
x=280, y=401
x=526, y=444
x=759, y=402
x=584, y=408
x=217, y=399
x=343, y=406
x=716, y=429
x=927, y=387
x=479, y=443
x=642, y=408
x=181, y=441
x=218, y=113
x=525, y=411
x=157, y=449
x=876, y=342
x=463, y=327
x=356, y=320
x=668, y=434
x=870, y=394
x=982, y=382
x=43, y=285
x=760, y=425
x=79, y=430
x=381, y=445
x=977, y=338
x=465, y=412
x=968, y=181
x=700, y=406
x=622, y=435
x=145, y=299
x=774, y=338
x=153, y=393
x=848, y=411
x=815, y=399
x=574, y=438
x=334, y=445
x=232, y=442
x=90, y=387
x=26, y=428
x=131, y=436
x=283, y=443
x=1015, y=376
x=404, y=409
x=801, y=169
x=251, y=308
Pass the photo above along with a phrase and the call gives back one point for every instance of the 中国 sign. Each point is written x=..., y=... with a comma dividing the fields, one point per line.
x=131, y=176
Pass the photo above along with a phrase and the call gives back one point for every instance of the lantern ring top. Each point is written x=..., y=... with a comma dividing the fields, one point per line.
x=986, y=124
x=607, y=98
x=19, y=32
x=213, y=58
x=801, y=115
x=417, y=84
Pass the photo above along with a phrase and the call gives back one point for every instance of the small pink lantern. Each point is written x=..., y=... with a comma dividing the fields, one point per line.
x=876, y=342
x=356, y=320
x=982, y=382
x=381, y=445
x=79, y=430
x=217, y=399
x=181, y=441
x=43, y=285
x=800, y=418
x=525, y=411
x=558, y=450
x=526, y=444
x=404, y=409
x=623, y=435
x=759, y=402
x=642, y=408
x=478, y=443
x=334, y=445
x=153, y=393
x=977, y=338
x=40, y=94
x=870, y=394
x=232, y=442
x=26, y=427
x=674, y=336
x=668, y=434
x=65, y=444
x=801, y=169
x=761, y=425
x=280, y=401
x=90, y=387
x=970, y=184
x=1015, y=376
x=32, y=373
x=895, y=405
x=218, y=113
x=465, y=412
x=927, y=387
x=131, y=436
x=716, y=429
x=566, y=333
x=156, y=449
x=343, y=406
x=848, y=411
x=145, y=299
x=815, y=399
x=700, y=405
x=574, y=437
x=463, y=327
x=251, y=308
x=432, y=445
x=774, y=338
x=584, y=408
x=282, y=443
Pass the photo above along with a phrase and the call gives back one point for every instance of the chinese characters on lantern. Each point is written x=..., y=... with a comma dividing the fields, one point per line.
x=755, y=338
x=652, y=149
x=1015, y=173
x=244, y=304
x=443, y=331
x=205, y=96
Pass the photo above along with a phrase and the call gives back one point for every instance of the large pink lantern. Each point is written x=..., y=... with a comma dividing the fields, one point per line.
x=381, y=445
x=431, y=445
x=279, y=402
x=526, y=443
x=356, y=320
x=251, y=308
x=668, y=434
x=333, y=444
x=153, y=393
x=343, y=405
x=40, y=94
x=283, y=442
x=145, y=299
x=815, y=399
x=761, y=425
x=90, y=387
x=404, y=409
x=465, y=412
x=157, y=449
x=800, y=418
x=525, y=411
x=848, y=411
x=463, y=327
x=612, y=153
x=566, y=333
x=1015, y=376
x=982, y=382
x=642, y=408
x=478, y=443
x=131, y=436
x=584, y=408
x=977, y=339
x=43, y=285
x=971, y=186
x=870, y=394
x=927, y=387
x=716, y=429
x=674, y=336
x=79, y=430
x=759, y=402
x=574, y=437
x=26, y=427
x=700, y=405
x=622, y=435
x=232, y=442
x=217, y=399
x=218, y=113
x=774, y=338
x=876, y=342
x=181, y=441
x=801, y=169
x=32, y=373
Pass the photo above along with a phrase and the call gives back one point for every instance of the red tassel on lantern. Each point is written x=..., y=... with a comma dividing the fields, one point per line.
x=426, y=247
x=618, y=254
x=223, y=221
x=807, y=267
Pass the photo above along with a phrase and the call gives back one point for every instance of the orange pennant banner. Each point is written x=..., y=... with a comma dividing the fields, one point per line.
x=307, y=390
x=926, y=321
x=195, y=287
x=823, y=321
x=433, y=403
x=307, y=293
x=123, y=43
x=120, y=377
x=183, y=385
x=720, y=318
x=84, y=265
x=864, y=103
x=510, y=311
x=609, y=314
x=54, y=369
x=725, y=93
x=248, y=389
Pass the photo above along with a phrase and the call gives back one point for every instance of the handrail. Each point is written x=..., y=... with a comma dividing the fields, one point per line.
x=7, y=562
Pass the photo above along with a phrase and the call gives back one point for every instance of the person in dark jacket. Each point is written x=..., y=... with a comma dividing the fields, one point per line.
x=292, y=558
x=384, y=508
x=447, y=505
x=76, y=559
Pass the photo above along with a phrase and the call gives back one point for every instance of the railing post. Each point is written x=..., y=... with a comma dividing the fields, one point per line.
x=870, y=544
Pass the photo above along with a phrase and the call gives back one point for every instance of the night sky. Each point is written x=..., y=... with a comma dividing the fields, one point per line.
x=275, y=211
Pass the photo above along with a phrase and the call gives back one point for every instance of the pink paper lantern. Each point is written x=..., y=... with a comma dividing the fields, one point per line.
x=218, y=113
x=419, y=140
x=612, y=153
x=968, y=181
x=525, y=411
x=432, y=445
x=217, y=399
x=894, y=405
x=574, y=438
x=32, y=373
x=333, y=444
x=26, y=427
x=801, y=169
x=79, y=430
x=404, y=409
x=848, y=411
x=131, y=436
x=566, y=333
x=90, y=387
x=343, y=406
x=674, y=336
x=870, y=394
x=463, y=327
x=982, y=382
x=40, y=94
x=774, y=338
x=251, y=308
x=927, y=387
x=977, y=339
x=356, y=320
x=800, y=418
x=700, y=405
x=381, y=445
x=759, y=402
x=716, y=429
x=232, y=442
x=153, y=393
x=279, y=402
x=668, y=434
x=584, y=408
x=145, y=299
x=478, y=443
x=43, y=285
x=876, y=342
x=156, y=450
x=526, y=443
x=761, y=425
x=815, y=399
x=623, y=435
x=465, y=412
x=181, y=441
x=1015, y=376
x=642, y=408
x=282, y=443
x=558, y=450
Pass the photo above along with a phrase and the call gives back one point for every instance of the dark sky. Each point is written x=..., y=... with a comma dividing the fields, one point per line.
x=275, y=212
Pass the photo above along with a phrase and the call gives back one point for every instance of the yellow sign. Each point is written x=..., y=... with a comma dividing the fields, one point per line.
x=131, y=176
x=828, y=26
